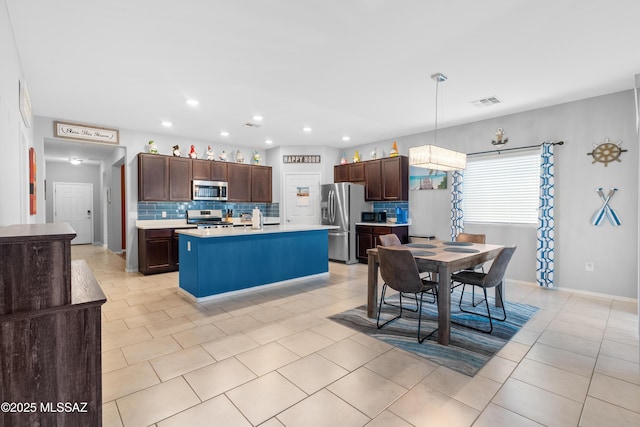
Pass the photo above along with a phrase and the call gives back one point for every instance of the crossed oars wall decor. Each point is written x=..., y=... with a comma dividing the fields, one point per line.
x=606, y=210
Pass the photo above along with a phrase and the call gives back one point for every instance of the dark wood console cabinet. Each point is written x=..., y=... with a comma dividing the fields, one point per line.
x=50, y=329
x=367, y=237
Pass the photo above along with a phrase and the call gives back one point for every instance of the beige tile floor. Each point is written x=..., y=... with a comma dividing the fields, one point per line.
x=272, y=358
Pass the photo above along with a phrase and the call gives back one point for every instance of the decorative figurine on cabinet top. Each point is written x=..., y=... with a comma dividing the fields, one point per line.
x=193, y=153
x=356, y=157
x=176, y=151
x=256, y=157
x=239, y=157
x=374, y=154
x=343, y=160
x=210, y=154
x=394, y=150
x=153, y=149
x=223, y=156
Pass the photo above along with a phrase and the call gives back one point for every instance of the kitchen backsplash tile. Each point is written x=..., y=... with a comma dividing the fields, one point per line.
x=177, y=210
x=389, y=207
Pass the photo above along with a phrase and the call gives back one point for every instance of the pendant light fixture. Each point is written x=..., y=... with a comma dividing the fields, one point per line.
x=434, y=157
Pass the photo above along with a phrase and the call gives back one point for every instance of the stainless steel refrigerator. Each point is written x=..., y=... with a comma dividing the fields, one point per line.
x=341, y=204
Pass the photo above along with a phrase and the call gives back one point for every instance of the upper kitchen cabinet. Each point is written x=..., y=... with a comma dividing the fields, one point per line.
x=180, y=171
x=164, y=178
x=249, y=183
x=395, y=178
x=372, y=180
x=352, y=172
x=201, y=170
x=261, y=184
x=239, y=182
x=209, y=170
x=153, y=177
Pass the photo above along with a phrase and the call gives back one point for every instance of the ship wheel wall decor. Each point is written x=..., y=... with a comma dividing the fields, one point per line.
x=606, y=152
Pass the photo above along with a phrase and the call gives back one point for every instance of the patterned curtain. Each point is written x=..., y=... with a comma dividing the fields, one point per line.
x=545, y=255
x=457, y=221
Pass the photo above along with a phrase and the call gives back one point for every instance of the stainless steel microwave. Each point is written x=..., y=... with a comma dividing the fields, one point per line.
x=209, y=190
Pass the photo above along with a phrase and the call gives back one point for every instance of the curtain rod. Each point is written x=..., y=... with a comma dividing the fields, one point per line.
x=515, y=148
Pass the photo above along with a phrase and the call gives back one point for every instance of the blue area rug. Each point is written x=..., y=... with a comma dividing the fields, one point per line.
x=468, y=350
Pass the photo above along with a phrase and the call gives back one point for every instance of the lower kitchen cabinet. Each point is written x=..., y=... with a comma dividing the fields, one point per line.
x=367, y=237
x=157, y=250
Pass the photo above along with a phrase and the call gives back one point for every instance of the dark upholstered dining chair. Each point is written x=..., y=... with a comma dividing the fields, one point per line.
x=400, y=272
x=391, y=239
x=492, y=279
x=471, y=238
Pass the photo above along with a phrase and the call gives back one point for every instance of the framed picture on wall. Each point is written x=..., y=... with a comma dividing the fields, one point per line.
x=427, y=179
x=32, y=181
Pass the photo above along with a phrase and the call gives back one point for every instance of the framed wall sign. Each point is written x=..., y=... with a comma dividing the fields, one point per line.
x=32, y=181
x=301, y=158
x=85, y=133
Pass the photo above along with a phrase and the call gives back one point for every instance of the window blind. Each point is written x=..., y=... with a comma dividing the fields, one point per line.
x=502, y=189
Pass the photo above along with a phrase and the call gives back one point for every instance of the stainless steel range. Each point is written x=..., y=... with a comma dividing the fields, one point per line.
x=211, y=218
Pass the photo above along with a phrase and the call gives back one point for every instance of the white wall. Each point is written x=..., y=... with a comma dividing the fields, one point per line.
x=613, y=250
x=15, y=138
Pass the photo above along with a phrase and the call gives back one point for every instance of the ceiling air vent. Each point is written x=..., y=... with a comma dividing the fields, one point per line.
x=486, y=102
x=252, y=125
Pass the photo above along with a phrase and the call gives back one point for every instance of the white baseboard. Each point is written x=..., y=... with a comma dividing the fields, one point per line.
x=575, y=291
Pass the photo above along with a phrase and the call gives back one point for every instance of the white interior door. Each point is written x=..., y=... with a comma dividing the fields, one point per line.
x=73, y=204
x=302, y=198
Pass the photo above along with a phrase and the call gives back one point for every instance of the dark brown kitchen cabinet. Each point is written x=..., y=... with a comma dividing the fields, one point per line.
x=219, y=171
x=180, y=171
x=201, y=170
x=153, y=177
x=368, y=237
x=372, y=180
x=395, y=178
x=157, y=250
x=261, y=184
x=352, y=172
x=164, y=178
x=239, y=182
x=341, y=173
x=209, y=170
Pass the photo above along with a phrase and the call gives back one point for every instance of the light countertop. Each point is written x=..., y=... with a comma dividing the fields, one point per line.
x=245, y=231
x=382, y=224
x=182, y=223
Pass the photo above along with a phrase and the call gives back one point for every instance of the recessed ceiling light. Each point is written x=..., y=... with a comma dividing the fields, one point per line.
x=306, y=129
x=268, y=141
x=224, y=133
x=346, y=138
x=192, y=102
x=167, y=124
x=257, y=118
x=75, y=161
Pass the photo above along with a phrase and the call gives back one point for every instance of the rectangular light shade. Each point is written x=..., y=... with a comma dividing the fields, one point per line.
x=437, y=158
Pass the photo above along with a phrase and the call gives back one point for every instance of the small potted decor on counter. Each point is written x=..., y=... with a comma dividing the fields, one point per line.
x=394, y=150
x=256, y=157
x=176, y=151
x=210, y=154
x=223, y=156
x=193, y=154
x=239, y=157
x=153, y=149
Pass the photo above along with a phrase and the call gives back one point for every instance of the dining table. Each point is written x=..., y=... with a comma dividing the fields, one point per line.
x=442, y=258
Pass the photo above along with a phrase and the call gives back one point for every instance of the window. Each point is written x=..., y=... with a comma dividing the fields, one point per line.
x=502, y=188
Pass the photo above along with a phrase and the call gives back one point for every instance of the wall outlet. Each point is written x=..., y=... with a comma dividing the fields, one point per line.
x=589, y=266
x=164, y=214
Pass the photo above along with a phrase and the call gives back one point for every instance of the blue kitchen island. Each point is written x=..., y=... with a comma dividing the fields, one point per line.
x=219, y=260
